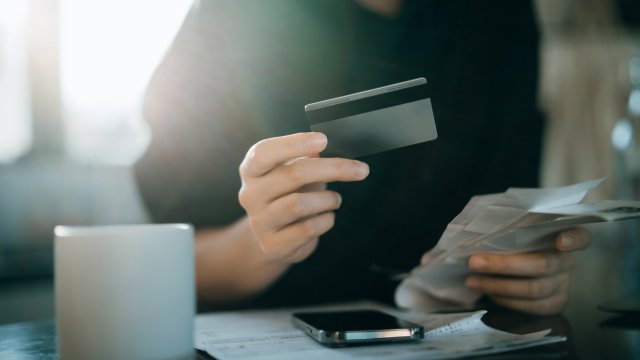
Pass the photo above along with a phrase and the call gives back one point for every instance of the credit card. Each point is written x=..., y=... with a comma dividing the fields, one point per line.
x=375, y=120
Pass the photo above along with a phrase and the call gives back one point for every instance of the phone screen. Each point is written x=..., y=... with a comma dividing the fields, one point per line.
x=351, y=320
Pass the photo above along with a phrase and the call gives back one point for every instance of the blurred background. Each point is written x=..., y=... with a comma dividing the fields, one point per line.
x=72, y=77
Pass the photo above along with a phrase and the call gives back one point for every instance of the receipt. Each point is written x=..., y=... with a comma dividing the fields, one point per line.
x=252, y=335
x=519, y=220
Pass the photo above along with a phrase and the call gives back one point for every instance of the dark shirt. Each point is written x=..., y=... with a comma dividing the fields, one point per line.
x=241, y=71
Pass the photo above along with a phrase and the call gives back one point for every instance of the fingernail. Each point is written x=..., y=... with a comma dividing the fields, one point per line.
x=339, y=199
x=318, y=141
x=567, y=242
x=478, y=263
x=362, y=170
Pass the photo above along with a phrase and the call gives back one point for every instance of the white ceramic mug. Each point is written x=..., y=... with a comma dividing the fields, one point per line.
x=125, y=292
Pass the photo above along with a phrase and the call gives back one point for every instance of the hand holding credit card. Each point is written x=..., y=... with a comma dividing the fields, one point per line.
x=375, y=120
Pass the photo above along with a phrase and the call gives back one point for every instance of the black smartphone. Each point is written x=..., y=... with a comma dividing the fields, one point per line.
x=342, y=328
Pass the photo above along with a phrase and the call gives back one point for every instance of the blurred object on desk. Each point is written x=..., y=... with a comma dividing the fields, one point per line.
x=584, y=88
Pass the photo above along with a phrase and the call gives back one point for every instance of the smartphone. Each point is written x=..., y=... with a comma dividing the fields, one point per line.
x=343, y=328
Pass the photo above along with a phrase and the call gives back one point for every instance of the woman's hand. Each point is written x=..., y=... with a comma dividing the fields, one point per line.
x=284, y=193
x=536, y=283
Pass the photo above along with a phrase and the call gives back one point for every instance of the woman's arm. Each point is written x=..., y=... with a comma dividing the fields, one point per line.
x=230, y=265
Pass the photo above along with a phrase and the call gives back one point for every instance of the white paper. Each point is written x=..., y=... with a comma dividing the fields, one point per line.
x=250, y=335
x=519, y=220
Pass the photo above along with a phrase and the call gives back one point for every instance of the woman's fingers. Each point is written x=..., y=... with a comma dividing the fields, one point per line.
x=526, y=264
x=301, y=172
x=574, y=239
x=536, y=283
x=257, y=193
x=295, y=206
x=269, y=153
x=520, y=288
x=285, y=242
x=302, y=252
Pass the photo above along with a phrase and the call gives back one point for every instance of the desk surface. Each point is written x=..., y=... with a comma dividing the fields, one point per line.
x=608, y=269
x=36, y=340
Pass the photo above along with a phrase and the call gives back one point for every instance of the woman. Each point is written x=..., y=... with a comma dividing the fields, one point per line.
x=296, y=228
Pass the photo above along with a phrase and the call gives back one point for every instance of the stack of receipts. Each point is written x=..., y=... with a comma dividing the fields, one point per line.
x=519, y=220
x=250, y=335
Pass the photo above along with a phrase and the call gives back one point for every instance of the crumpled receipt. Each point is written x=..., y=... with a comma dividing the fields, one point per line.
x=519, y=220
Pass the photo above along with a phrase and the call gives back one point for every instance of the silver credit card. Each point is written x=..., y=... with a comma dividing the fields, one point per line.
x=375, y=120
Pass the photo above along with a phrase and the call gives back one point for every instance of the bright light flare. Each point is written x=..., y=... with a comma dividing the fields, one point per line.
x=109, y=50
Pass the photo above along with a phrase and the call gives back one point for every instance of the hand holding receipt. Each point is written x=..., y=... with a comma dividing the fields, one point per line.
x=518, y=221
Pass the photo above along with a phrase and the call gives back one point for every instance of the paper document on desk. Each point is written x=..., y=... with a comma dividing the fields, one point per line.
x=519, y=220
x=250, y=335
